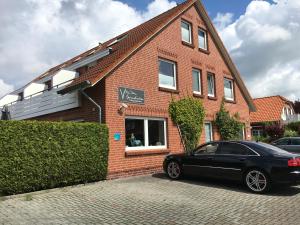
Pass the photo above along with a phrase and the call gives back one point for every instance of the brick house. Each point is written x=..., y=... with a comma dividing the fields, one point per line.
x=128, y=82
x=275, y=109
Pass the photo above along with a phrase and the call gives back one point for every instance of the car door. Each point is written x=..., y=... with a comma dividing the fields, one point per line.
x=230, y=160
x=199, y=163
x=294, y=145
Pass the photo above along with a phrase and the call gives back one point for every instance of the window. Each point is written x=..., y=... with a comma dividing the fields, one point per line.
x=197, y=81
x=234, y=149
x=208, y=132
x=211, y=84
x=256, y=133
x=242, y=135
x=202, y=39
x=228, y=89
x=295, y=141
x=21, y=96
x=167, y=74
x=186, y=32
x=48, y=85
x=144, y=133
x=284, y=141
x=210, y=148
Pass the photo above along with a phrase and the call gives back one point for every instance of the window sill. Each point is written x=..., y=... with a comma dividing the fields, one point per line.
x=204, y=51
x=229, y=101
x=146, y=152
x=175, y=91
x=188, y=44
x=212, y=98
x=198, y=95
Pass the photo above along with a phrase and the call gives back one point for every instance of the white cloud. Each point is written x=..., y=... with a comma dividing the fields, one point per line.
x=222, y=20
x=264, y=43
x=38, y=34
x=5, y=88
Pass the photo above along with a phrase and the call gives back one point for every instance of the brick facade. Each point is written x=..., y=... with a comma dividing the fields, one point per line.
x=141, y=72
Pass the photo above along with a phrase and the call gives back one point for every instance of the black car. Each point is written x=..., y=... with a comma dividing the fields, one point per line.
x=290, y=144
x=257, y=164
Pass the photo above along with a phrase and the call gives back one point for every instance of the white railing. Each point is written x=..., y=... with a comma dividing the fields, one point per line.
x=43, y=103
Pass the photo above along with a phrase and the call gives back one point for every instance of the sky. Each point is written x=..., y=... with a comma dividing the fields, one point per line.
x=262, y=36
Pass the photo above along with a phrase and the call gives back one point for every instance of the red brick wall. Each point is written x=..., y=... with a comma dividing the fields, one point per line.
x=141, y=72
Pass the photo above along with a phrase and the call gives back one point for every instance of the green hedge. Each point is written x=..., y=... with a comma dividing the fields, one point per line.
x=41, y=155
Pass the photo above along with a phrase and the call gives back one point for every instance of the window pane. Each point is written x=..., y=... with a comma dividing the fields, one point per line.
x=295, y=142
x=202, y=39
x=211, y=85
x=208, y=132
x=166, y=73
x=185, y=32
x=228, y=89
x=156, y=132
x=196, y=81
x=284, y=141
x=234, y=149
x=134, y=132
x=207, y=149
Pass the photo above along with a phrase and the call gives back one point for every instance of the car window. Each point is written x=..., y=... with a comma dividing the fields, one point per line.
x=228, y=148
x=295, y=141
x=210, y=148
x=284, y=141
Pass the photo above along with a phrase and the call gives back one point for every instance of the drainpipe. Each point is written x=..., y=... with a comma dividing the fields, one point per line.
x=95, y=103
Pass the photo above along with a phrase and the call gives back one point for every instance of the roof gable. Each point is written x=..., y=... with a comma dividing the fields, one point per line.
x=268, y=109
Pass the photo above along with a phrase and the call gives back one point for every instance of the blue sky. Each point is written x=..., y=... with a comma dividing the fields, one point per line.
x=264, y=42
x=237, y=7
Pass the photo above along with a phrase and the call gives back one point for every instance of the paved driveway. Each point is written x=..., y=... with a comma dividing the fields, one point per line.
x=154, y=200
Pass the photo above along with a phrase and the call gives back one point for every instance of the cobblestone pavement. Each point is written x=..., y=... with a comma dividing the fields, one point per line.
x=154, y=200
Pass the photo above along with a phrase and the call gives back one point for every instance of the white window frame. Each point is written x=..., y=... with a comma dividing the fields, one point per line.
x=175, y=75
x=232, y=89
x=214, y=85
x=205, y=39
x=146, y=133
x=211, y=130
x=200, y=87
x=190, y=31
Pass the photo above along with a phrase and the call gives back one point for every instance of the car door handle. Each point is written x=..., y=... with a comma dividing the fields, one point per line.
x=210, y=158
x=242, y=159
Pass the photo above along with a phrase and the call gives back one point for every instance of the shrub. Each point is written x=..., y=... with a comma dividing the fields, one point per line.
x=274, y=131
x=290, y=133
x=188, y=114
x=294, y=126
x=40, y=155
x=229, y=127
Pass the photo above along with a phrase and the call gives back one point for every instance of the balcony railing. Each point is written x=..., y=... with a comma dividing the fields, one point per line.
x=43, y=103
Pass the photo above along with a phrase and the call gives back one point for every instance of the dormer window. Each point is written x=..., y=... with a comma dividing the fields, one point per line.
x=21, y=96
x=186, y=32
x=48, y=85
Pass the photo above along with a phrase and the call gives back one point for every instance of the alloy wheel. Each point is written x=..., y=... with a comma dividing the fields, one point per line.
x=174, y=170
x=256, y=181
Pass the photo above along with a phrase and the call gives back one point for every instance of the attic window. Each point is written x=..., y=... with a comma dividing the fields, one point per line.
x=48, y=85
x=117, y=40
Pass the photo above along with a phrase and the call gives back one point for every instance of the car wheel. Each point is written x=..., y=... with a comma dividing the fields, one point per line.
x=257, y=181
x=174, y=170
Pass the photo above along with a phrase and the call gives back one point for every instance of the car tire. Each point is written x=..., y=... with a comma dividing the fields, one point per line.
x=174, y=170
x=257, y=181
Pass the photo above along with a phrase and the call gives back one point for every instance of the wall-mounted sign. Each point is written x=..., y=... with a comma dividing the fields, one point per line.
x=117, y=136
x=131, y=95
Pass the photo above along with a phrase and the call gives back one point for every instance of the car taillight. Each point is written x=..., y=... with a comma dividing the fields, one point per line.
x=294, y=162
